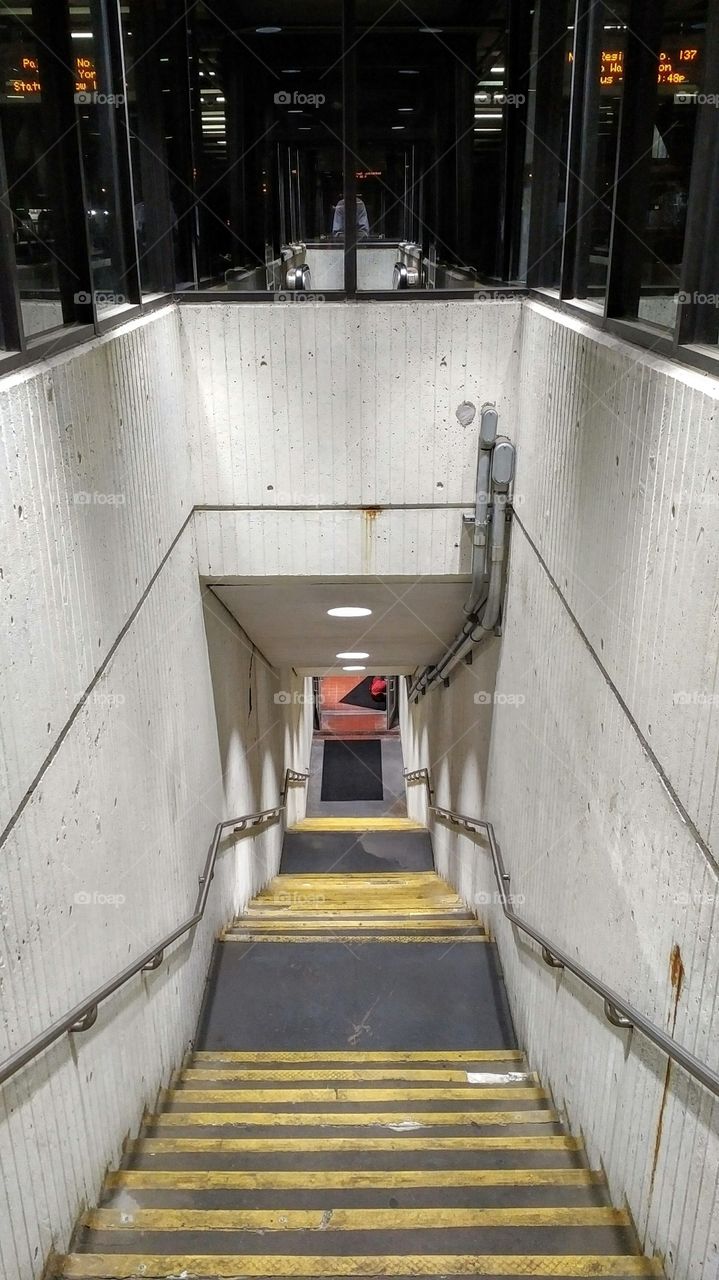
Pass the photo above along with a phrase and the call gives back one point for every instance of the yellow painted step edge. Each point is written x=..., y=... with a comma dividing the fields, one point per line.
x=360, y=1055
x=340, y=1219
x=118, y=1266
x=357, y=824
x=366, y=938
x=344, y=1179
x=461, y=1093
x=390, y=1142
x=353, y=1119
x=305, y=1075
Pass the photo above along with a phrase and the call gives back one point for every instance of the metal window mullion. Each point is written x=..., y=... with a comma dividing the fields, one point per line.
x=636, y=133
x=349, y=147
x=582, y=15
x=109, y=36
x=587, y=193
x=547, y=161
x=61, y=142
x=515, y=117
x=12, y=333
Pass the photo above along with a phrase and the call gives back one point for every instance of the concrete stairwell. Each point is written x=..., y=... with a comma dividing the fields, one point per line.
x=357, y=1104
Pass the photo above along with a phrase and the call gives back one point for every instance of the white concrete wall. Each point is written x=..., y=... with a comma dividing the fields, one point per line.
x=114, y=771
x=597, y=762
x=332, y=403
x=359, y=543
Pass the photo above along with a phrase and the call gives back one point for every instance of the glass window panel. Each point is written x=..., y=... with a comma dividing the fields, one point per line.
x=157, y=88
x=545, y=176
x=680, y=80
x=100, y=100
x=603, y=90
x=433, y=109
x=29, y=128
x=266, y=93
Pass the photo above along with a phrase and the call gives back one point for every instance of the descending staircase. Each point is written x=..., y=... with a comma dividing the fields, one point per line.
x=422, y=1161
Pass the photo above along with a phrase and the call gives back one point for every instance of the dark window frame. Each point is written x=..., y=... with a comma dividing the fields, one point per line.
x=697, y=327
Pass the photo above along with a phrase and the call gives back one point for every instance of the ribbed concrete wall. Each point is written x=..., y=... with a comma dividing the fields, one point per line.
x=331, y=403
x=597, y=763
x=115, y=771
x=375, y=543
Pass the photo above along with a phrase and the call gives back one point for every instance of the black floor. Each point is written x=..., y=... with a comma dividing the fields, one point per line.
x=353, y=851
x=368, y=995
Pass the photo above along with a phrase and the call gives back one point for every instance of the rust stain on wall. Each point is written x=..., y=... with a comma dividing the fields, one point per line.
x=369, y=516
x=676, y=977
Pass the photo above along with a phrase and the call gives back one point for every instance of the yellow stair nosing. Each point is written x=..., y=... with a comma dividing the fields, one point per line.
x=459, y=1093
x=117, y=1266
x=355, y=1119
x=392, y=1143
x=365, y=938
x=303, y=1075
x=351, y=1219
x=365, y=1055
x=344, y=1179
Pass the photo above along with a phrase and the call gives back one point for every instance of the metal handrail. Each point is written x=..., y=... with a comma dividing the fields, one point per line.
x=616, y=1009
x=84, y=1015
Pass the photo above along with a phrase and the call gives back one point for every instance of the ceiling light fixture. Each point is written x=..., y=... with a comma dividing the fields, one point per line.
x=349, y=611
x=267, y=31
x=354, y=668
x=350, y=656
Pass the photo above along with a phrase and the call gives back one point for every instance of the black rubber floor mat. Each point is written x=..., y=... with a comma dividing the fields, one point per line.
x=352, y=770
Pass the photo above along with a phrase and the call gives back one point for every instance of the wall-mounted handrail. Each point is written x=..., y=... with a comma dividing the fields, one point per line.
x=616, y=1009
x=84, y=1015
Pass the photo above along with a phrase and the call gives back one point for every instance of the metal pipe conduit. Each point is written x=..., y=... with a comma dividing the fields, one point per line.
x=495, y=471
x=616, y=1009
x=84, y=1015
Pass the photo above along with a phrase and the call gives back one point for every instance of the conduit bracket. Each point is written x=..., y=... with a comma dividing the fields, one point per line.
x=154, y=963
x=84, y=1023
x=616, y=1018
x=551, y=960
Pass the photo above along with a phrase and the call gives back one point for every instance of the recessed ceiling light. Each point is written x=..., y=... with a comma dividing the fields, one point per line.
x=290, y=71
x=267, y=31
x=408, y=72
x=349, y=611
x=395, y=127
x=354, y=668
x=350, y=656
x=431, y=31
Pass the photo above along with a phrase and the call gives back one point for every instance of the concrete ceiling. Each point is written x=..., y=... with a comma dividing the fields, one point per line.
x=410, y=625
